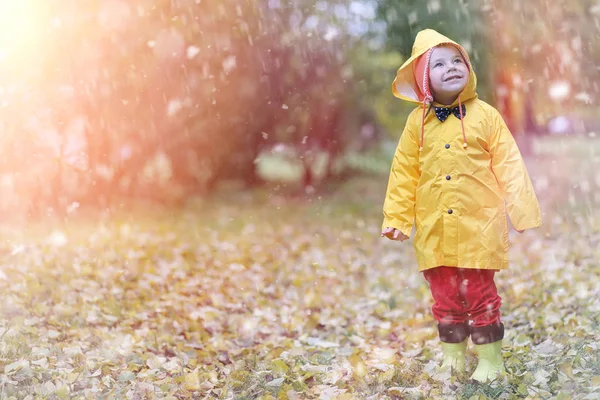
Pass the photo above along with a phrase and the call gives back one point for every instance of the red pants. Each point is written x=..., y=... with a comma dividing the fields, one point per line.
x=461, y=295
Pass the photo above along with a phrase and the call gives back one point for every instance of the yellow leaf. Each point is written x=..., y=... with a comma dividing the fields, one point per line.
x=567, y=369
x=404, y=392
x=16, y=366
x=386, y=376
x=72, y=377
x=276, y=352
x=282, y=395
x=477, y=397
x=345, y=396
x=522, y=389
x=192, y=381
x=280, y=367
x=359, y=366
x=595, y=381
x=154, y=362
x=287, y=392
x=212, y=377
x=62, y=392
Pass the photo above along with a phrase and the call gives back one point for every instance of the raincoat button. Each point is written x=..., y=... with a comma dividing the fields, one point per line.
x=450, y=211
x=447, y=145
x=448, y=177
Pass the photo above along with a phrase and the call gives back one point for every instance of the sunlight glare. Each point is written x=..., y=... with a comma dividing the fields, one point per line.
x=21, y=28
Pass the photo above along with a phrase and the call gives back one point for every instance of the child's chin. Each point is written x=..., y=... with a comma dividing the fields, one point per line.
x=456, y=86
x=453, y=92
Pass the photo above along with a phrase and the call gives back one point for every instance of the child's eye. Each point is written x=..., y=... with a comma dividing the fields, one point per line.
x=458, y=60
x=438, y=64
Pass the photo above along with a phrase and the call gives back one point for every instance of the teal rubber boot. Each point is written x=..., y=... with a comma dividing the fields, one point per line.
x=454, y=356
x=490, y=363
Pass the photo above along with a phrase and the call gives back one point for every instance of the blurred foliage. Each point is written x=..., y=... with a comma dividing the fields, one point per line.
x=166, y=99
x=374, y=73
x=197, y=90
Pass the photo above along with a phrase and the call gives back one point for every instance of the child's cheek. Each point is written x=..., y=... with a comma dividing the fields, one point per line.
x=435, y=82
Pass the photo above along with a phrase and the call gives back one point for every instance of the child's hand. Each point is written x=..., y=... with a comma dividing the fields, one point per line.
x=393, y=234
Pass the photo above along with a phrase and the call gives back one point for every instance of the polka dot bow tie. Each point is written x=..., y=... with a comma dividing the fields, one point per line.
x=443, y=112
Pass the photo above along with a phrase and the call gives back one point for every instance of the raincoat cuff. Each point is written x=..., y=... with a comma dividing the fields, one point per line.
x=523, y=225
x=404, y=228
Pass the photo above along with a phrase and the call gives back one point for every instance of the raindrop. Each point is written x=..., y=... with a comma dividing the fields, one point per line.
x=192, y=51
x=412, y=17
x=229, y=64
x=433, y=6
x=559, y=90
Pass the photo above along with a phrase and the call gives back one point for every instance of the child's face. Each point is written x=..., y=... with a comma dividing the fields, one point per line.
x=448, y=74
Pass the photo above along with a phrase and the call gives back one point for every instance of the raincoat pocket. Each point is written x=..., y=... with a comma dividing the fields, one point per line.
x=493, y=225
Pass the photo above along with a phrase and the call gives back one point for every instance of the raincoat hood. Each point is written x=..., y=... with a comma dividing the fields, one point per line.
x=412, y=78
x=407, y=87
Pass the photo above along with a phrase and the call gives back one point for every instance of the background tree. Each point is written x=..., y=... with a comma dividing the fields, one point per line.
x=196, y=90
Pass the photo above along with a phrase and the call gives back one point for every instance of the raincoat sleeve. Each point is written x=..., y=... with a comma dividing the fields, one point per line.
x=399, y=204
x=508, y=166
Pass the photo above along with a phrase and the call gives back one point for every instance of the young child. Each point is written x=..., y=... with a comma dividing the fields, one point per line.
x=456, y=172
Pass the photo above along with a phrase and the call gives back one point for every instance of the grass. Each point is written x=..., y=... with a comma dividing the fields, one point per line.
x=263, y=296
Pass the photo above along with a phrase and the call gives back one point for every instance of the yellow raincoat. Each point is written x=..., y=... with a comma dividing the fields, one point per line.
x=457, y=195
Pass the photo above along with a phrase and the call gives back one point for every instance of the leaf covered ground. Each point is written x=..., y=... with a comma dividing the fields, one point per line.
x=258, y=296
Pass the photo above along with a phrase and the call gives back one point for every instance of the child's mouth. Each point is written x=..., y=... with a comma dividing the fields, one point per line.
x=452, y=78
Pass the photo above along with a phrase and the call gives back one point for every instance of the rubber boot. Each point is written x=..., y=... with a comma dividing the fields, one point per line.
x=454, y=356
x=490, y=363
